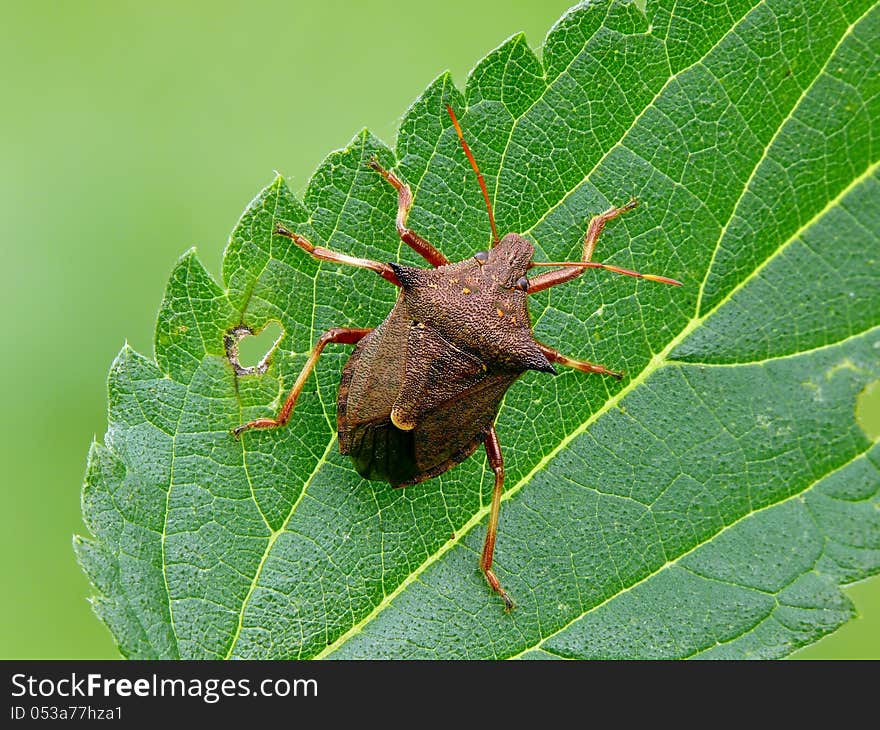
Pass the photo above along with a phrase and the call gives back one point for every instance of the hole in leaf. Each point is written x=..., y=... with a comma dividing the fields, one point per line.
x=868, y=410
x=249, y=353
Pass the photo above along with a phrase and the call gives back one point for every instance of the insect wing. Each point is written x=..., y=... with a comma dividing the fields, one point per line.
x=436, y=371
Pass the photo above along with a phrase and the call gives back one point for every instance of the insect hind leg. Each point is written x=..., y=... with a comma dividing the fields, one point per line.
x=404, y=203
x=496, y=461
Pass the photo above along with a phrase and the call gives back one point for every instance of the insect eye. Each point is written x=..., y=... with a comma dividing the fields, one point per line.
x=522, y=283
x=482, y=257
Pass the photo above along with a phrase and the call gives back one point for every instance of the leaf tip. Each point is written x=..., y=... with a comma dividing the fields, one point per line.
x=187, y=256
x=443, y=78
x=94, y=446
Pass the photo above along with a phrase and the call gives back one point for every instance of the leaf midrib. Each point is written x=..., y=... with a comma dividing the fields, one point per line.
x=796, y=495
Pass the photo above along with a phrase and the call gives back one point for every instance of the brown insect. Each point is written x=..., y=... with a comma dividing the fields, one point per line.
x=421, y=391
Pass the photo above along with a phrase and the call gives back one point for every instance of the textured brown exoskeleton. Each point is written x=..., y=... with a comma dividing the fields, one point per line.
x=421, y=391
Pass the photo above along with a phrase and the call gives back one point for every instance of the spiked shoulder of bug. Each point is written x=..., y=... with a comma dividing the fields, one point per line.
x=479, y=305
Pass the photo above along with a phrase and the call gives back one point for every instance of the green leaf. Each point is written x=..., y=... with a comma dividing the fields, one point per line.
x=710, y=504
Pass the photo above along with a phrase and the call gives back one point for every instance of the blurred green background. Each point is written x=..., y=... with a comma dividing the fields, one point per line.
x=131, y=131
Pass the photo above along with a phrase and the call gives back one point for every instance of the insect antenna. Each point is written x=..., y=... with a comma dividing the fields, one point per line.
x=470, y=156
x=608, y=267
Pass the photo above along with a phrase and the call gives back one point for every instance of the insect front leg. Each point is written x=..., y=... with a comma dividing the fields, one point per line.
x=573, y=269
x=594, y=230
x=342, y=335
x=582, y=365
x=404, y=203
x=496, y=461
x=325, y=254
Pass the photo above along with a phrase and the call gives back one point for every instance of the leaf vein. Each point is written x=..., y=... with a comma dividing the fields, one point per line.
x=782, y=125
x=745, y=516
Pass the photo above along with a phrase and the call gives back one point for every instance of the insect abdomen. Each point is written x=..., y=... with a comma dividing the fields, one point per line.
x=382, y=452
x=451, y=411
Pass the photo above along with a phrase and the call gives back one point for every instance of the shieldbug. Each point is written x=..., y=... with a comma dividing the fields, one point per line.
x=421, y=391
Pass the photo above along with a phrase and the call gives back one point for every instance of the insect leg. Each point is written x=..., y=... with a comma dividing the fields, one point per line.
x=404, y=203
x=343, y=335
x=325, y=254
x=582, y=365
x=496, y=461
x=476, y=168
x=594, y=230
